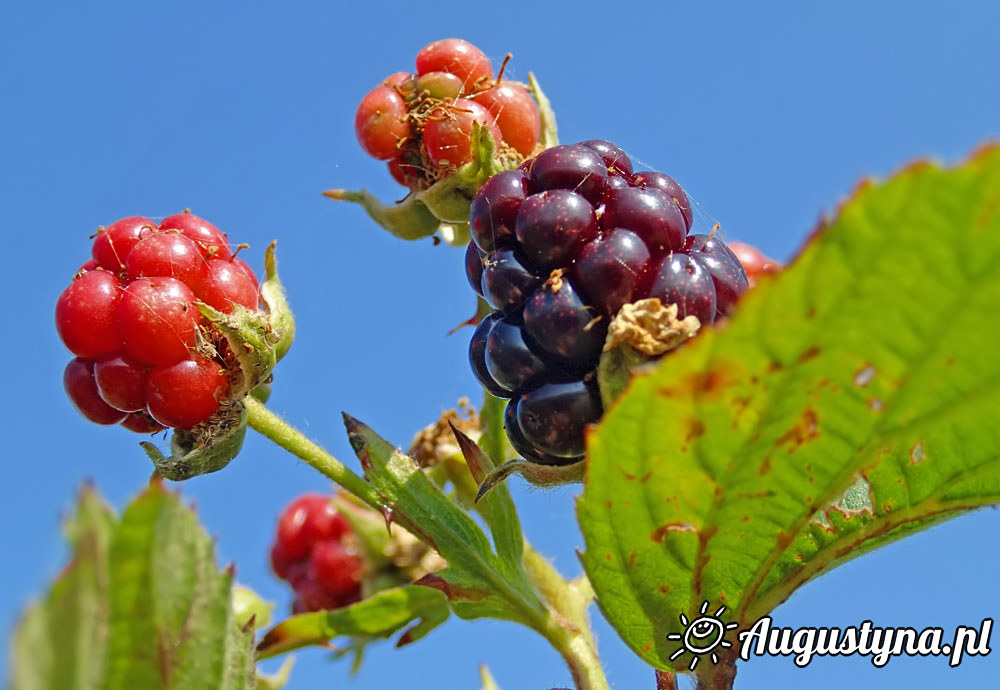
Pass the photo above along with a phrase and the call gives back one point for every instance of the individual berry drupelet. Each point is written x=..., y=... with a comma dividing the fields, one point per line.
x=145, y=357
x=559, y=246
x=420, y=122
x=317, y=553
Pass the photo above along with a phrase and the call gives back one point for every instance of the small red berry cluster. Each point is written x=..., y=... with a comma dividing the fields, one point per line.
x=420, y=123
x=131, y=319
x=316, y=552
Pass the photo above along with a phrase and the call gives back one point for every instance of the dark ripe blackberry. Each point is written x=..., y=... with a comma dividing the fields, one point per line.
x=723, y=265
x=552, y=225
x=494, y=209
x=522, y=445
x=573, y=167
x=554, y=416
x=649, y=213
x=474, y=258
x=477, y=357
x=657, y=180
x=570, y=238
x=509, y=359
x=613, y=157
x=506, y=283
x=563, y=326
x=611, y=271
x=683, y=280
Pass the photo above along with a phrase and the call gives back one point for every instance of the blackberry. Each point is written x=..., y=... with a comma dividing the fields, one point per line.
x=558, y=247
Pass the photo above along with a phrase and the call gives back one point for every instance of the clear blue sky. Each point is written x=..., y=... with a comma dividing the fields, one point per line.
x=766, y=113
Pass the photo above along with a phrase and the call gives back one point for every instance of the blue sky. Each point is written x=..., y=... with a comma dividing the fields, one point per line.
x=767, y=114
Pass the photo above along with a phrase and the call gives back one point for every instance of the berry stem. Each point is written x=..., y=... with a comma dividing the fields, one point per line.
x=271, y=426
x=567, y=628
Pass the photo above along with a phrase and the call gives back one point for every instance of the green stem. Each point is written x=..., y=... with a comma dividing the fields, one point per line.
x=567, y=628
x=271, y=426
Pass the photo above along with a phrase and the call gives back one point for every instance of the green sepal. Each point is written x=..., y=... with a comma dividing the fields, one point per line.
x=409, y=219
x=477, y=582
x=207, y=448
x=249, y=608
x=549, y=134
x=379, y=615
x=282, y=324
x=616, y=368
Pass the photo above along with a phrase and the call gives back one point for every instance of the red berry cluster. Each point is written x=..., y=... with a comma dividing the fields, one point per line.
x=420, y=123
x=131, y=319
x=316, y=552
x=559, y=246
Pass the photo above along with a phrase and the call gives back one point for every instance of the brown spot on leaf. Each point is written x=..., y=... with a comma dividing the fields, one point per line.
x=774, y=367
x=987, y=213
x=631, y=558
x=630, y=477
x=664, y=589
x=765, y=466
x=806, y=429
x=607, y=557
x=917, y=453
x=709, y=383
x=696, y=429
x=810, y=353
x=660, y=532
x=811, y=312
x=746, y=518
x=875, y=404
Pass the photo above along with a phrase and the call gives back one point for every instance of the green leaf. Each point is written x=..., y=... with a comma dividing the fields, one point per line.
x=380, y=615
x=476, y=581
x=497, y=507
x=850, y=401
x=141, y=605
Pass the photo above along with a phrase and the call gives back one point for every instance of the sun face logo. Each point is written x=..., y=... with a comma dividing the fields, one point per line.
x=702, y=635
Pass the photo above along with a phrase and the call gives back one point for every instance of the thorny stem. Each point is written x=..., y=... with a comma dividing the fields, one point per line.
x=565, y=626
x=721, y=676
x=665, y=680
x=268, y=424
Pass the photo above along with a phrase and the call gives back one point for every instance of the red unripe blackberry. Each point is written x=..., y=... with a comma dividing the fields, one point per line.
x=131, y=316
x=569, y=238
x=420, y=123
x=316, y=552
